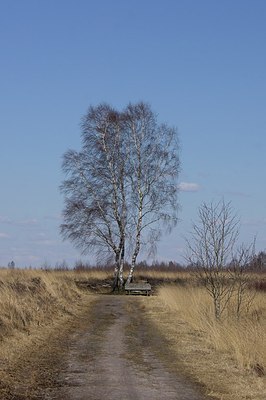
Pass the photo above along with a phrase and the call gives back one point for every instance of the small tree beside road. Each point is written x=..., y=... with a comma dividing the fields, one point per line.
x=217, y=261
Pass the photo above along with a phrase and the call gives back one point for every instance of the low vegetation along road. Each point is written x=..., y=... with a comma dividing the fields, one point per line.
x=108, y=349
x=112, y=354
x=62, y=338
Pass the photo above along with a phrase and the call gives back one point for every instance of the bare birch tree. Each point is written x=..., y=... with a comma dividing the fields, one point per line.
x=210, y=249
x=153, y=172
x=219, y=262
x=122, y=186
x=95, y=204
x=239, y=270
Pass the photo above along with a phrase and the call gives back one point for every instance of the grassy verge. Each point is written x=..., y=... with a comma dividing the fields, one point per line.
x=228, y=357
x=37, y=309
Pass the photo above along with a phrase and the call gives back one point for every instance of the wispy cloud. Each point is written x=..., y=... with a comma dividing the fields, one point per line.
x=19, y=222
x=238, y=194
x=5, y=220
x=4, y=235
x=27, y=222
x=27, y=259
x=189, y=187
x=56, y=217
x=255, y=222
x=45, y=242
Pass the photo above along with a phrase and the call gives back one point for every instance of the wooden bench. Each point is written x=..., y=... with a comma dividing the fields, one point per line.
x=138, y=288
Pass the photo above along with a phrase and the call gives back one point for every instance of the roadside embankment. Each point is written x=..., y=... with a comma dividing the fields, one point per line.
x=35, y=306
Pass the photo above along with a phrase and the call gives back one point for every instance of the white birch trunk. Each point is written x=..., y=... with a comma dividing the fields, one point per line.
x=116, y=271
x=137, y=246
x=120, y=274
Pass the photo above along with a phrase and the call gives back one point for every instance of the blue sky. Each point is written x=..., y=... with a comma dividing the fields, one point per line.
x=200, y=64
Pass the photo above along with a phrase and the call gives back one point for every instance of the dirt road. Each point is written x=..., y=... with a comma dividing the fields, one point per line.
x=114, y=357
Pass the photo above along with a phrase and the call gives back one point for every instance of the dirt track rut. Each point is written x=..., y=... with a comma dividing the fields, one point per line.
x=99, y=363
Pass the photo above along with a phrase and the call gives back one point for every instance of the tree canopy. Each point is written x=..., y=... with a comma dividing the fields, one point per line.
x=120, y=190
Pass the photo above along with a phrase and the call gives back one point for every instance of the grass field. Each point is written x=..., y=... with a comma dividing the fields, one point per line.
x=243, y=338
x=228, y=356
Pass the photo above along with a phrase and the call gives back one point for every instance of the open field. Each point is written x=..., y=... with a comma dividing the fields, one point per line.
x=228, y=357
x=40, y=311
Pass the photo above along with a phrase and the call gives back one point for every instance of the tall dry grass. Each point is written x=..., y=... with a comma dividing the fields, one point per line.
x=37, y=309
x=36, y=298
x=244, y=339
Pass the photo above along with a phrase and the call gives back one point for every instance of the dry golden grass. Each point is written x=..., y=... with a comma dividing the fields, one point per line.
x=33, y=299
x=227, y=357
x=36, y=309
x=243, y=338
x=163, y=274
x=157, y=275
